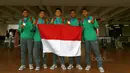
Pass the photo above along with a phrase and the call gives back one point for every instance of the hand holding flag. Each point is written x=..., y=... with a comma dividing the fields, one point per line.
x=63, y=41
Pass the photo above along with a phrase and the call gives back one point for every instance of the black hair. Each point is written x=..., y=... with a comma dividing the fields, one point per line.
x=72, y=10
x=58, y=9
x=42, y=11
x=84, y=9
x=25, y=10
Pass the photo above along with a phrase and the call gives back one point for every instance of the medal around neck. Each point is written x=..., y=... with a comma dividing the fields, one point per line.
x=24, y=24
x=68, y=22
x=89, y=21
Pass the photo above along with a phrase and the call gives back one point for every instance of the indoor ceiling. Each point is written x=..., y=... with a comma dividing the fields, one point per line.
x=111, y=11
x=67, y=2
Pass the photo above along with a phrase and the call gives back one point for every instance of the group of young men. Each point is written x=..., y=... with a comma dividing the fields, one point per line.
x=30, y=39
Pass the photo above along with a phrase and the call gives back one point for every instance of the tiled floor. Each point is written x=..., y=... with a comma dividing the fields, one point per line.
x=115, y=62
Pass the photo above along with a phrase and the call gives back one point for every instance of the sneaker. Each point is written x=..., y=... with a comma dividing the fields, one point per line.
x=79, y=67
x=44, y=66
x=53, y=67
x=30, y=66
x=101, y=69
x=37, y=68
x=88, y=67
x=70, y=66
x=63, y=67
x=22, y=67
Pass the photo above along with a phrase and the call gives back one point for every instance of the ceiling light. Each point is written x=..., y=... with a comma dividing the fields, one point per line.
x=126, y=25
x=116, y=25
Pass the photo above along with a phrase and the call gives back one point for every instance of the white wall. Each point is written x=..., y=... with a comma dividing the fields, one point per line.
x=5, y=27
x=12, y=26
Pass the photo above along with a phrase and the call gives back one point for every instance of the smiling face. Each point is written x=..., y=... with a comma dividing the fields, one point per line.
x=84, y=13
x=58, y=13
x=25, y=13
x=42, y=14
x=73, y=14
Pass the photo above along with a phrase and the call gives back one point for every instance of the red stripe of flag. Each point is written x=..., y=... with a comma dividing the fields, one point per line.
x=60, y=32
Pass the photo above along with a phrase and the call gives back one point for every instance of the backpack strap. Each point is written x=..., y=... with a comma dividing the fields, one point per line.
x=31, y=19
x=63, y=20
x=22, y=19
x=36, y=20
x=69, y=19
x=53, y=19
x=45, y=21
x=79, y=20
x=82, y=21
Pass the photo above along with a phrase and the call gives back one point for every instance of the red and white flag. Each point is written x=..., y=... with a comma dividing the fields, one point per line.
x=63, y=40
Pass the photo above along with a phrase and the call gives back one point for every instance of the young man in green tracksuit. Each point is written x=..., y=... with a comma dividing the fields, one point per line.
x=26, y=39
x=37, y=49
x=73, y=21
x=89, y=24
x=58, y=20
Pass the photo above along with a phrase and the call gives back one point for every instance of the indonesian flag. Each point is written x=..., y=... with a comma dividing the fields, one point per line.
x=63, y=40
